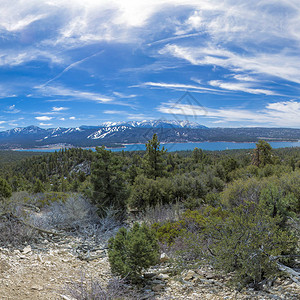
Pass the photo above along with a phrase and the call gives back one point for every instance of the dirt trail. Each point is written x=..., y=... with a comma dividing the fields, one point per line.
x=36, y=276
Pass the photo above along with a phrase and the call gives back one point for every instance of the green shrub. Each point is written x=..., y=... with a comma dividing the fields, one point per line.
x=5, y=189
x=244, y=240
x=149, y=192
x=132, y=251
x=247, y=242
x=278, y=203
x=43, y=199
x=191, y=221
x=169, y=231
x=241, y=191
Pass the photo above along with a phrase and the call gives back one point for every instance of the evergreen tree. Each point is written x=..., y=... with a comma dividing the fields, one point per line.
x=198, y=155
x=153, y=160
x=38, y=187
x=109, y=187
x=5, y=189
x=262, y=154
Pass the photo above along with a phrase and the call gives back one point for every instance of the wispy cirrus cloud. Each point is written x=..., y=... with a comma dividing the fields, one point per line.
x=242, y=87
x=282, y=64
x=12, y=109
x=122, y=95
x=72, y=94
x=218, y=47
x=277, y=114
x=114, y=112
x=177, y=86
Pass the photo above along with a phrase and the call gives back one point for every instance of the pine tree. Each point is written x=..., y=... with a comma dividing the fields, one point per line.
x=262, y=154
x=5, y=189
x=109, y=187
x=153, y=160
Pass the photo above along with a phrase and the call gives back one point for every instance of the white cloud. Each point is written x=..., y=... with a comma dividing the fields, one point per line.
x=138, y=117
x=62, y=119
x=18, y=57
x=9, y=25
x=243, y=77
x=243, y=87
x=271, y=26
x=44, y=118
x=277, y=114
x=229, y=86
x=2, y=122
x=114, y=112
x=58, y=109
x=178, y=86
x=72, y=118
x=12, y=109
x=74, y=94
x=44, y=124
x=283, y=64
x=121, y=95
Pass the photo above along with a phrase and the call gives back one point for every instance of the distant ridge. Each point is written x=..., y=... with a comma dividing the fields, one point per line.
x=116, y=133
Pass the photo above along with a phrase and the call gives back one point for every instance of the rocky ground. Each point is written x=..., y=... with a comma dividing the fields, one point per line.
x=47, y=270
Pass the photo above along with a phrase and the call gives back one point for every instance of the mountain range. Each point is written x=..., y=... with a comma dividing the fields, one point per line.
x=117, y=133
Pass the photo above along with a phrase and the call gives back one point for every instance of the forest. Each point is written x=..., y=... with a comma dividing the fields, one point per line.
x=235, y=210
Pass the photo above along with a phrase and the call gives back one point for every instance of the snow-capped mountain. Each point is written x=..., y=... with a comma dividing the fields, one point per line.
x=106, y=133
x=116, y=133
x=155, y=124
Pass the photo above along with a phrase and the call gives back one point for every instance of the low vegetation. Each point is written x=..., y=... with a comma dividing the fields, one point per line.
x=237, y=211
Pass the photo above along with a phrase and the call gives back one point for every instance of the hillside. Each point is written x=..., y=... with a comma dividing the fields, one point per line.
x=207, y=224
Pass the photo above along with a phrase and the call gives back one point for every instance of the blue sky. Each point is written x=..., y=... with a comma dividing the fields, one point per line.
x=71, y=62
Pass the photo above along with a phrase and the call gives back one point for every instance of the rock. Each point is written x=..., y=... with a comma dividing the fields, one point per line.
x=165, y=270
x=4, y=251
x=164, y=257
x=67, y=297
x=190, y=275
x=209, y=275
x=27, y=249
x=39, y=258
x=157, y=281
x=163, y=276
x=149, y=275
x=158, y=287
x=37, y=288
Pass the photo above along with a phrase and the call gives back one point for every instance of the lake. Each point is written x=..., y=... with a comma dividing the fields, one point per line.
x=171, y=147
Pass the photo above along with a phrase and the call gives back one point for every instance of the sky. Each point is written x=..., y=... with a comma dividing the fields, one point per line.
x=221, y=63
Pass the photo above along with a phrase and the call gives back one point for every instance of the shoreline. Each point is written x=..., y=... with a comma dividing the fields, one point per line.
x=123, y=146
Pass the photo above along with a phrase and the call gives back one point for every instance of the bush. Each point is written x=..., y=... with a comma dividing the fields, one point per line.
x=149, y=192
x=191, y=221
x=241, y=191
x=93, y=289
x=71, y=214
x=132, y=251
x=15, y=234
x=246, y=242
x=160, y=213
x=43, y=199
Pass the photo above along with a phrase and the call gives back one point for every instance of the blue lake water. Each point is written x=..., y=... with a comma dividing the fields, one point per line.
x=191, y=146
